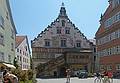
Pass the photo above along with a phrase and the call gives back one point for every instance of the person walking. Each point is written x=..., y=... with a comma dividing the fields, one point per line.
x=68, y=71
x=9, y=77
x=6, y=77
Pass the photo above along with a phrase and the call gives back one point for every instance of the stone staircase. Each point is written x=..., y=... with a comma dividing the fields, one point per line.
x=52, y=65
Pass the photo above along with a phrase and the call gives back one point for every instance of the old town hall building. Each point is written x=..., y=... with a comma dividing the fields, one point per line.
x=61, y=45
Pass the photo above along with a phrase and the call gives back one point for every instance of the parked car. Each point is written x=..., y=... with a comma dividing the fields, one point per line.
x=75, y=73
x=116, y=75
x=83, y=74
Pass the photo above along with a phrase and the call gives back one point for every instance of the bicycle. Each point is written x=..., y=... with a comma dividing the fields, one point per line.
x=107, y=80
x=98, y=80
x=111, y=80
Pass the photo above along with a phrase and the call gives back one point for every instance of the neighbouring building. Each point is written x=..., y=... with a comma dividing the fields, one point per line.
x=108, y=38
x=7, y=33
x=23, y=52
x=61, y=45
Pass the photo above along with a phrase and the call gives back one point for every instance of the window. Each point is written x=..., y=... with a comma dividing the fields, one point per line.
x=1, y=21
x=7, y=15
x=12, y=34
x=17, y=57
x=117, y=49
x=20, y=51
x=26, y=48
x=47, y=42
x=20, y=58
x=1, y=56
x=23, y=52
x=78, y=44
x=63, y=43
x=109, y=67
x=9, y=58
x=63, y=23
x=58, y=31
x=17, y=49
x=115, y=3
x=116, y=34
x=118, y=67
x=12, y=47
x=23, y=59
x=102, y=67
x=1, y=39
x=67, y=31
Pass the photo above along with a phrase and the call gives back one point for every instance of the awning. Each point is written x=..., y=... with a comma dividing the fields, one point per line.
x=9, y=65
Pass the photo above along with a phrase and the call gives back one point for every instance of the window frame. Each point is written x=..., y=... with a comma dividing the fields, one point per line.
x=63, y=43
x=47, y=42
x=63, y=23
x=1, y=39
x=2, y=21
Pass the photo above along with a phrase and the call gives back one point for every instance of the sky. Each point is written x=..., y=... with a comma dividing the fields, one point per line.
x=33, y=16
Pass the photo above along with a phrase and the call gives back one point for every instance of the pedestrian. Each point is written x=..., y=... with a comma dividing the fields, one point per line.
x=14, y=77
x=6, y=77
x=68, y=71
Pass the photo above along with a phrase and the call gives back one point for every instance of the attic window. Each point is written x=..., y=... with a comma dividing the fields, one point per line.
x=63, y=23
x=47, y=42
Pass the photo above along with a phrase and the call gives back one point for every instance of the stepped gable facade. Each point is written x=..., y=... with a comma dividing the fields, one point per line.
x=108, y=38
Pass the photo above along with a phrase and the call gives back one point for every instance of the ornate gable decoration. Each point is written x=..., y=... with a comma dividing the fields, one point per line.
x=61, y=33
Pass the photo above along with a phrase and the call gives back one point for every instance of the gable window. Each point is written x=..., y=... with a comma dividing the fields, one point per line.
x=67, y=31
x=47, y=42
x=78, y=44
x=1, y=39
x=1, y=21
x=63, y=43
x=63, y=23
x=58, y=31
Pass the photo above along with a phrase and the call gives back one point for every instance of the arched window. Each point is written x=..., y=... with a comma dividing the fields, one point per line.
x=63, y=23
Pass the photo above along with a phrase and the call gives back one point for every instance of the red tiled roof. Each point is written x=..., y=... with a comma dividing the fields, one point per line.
x=19, y=40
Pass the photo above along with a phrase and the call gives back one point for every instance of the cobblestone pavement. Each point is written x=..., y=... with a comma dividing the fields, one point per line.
x=73, y=80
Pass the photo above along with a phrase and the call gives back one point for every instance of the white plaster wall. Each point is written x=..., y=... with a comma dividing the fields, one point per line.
x=22, y=48
x=7, y=33
x=73, y=36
